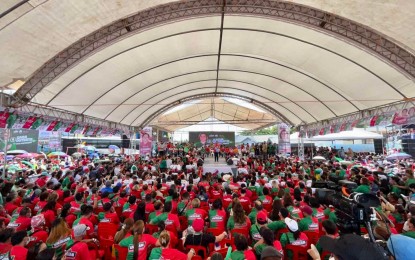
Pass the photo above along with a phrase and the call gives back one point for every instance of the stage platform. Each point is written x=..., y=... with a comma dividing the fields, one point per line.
x=211, y=166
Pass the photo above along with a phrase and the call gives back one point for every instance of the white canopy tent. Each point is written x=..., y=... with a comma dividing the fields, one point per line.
x=128, y=62
x=356, y=134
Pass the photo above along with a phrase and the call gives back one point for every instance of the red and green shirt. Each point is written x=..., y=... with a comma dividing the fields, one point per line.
x=145, y=241
x=217, y=219
x=166, y=254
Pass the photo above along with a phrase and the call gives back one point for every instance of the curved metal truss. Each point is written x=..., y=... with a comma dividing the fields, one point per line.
x=210, y=95
x=368, y=39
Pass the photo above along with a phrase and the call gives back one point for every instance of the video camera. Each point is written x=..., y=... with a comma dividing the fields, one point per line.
x=352, y=209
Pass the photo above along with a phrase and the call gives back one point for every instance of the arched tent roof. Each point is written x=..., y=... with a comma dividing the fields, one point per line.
x=126, y=61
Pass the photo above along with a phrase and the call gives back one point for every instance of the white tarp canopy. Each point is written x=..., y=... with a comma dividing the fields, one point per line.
x=356, y=134
x=130, y=61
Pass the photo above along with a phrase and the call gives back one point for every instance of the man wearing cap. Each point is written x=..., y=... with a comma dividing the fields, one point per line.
x=37, y=233
x=294, y=237
x=79, y=249
x=261, y=221
x=308, y=222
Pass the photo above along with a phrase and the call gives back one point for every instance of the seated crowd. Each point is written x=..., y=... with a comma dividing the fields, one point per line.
x=268, y=212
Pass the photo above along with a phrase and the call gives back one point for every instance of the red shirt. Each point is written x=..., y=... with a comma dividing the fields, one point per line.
x=18, y=253
x=79, y=251
x=150, y=208
x=38, y=236
x=39, y=206
x=49, y=217
x=90, y=226
x=10, y=207
x=5, y=248
x=21, y=223
x=172, y=254
x=111, y=217
x=41, y=182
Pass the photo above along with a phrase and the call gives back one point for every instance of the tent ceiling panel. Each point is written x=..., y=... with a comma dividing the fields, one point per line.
x=135, y=42
x=349, y=80
x=159, y=99
x=303, y=73
x=269, y=97
x=304, y=81
x=146, y=58
x=319, y=40
x=282, y=91
x=138, y=90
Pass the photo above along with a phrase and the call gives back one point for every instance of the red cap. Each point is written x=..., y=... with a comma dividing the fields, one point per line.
x=261, y=217
x=73, y=186
x=198, y=225
x=371, y=178
x=307, y=209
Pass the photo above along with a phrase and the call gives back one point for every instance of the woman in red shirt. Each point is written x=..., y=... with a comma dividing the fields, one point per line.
x=49, y=212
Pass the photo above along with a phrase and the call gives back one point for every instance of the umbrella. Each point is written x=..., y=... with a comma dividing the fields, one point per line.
x=28, y=155
x=338, y=159
x=14, y=152
x=57, y=154
x=28, y=164
x=77, y=155
x=398, y=156
x=346, y=162
x=113, y=147
x=319, y=158
x=90, y=148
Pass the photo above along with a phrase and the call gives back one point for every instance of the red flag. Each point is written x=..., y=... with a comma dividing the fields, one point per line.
x=29, y=122
x=52, y=125
x=4, y=115
x=69, y=128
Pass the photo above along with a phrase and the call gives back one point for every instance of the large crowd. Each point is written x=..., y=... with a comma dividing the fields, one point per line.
x=167, y=207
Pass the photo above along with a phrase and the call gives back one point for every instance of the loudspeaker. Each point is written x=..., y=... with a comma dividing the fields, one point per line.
x=125, y=142
x=378, y=146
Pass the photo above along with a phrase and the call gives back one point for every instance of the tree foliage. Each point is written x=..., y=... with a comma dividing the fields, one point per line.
x=273, y=130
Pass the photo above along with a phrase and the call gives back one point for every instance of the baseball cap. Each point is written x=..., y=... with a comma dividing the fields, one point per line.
x=351, y=247
x=307, y=209
x=292, y=225
x=79, y=230
x=270, y=251
x=261, y=218
x=198, y=225
x=37, y=220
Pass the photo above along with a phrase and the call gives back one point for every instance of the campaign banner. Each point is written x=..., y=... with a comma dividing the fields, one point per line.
x=52, y=125
x=4, y=115
x=284, y=145
x=21, y=139
x=146, y=139
x=405, y=116
x=200, y=139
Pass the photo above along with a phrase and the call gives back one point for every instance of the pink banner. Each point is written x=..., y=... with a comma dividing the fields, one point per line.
x=146, y=140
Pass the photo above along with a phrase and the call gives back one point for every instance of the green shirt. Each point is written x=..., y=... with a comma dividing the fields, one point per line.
x=61, y=245
x=409, y=234
x=307, y=224
x=363, y=189
x=237, y=255
x=331, y=215
x=252, y=215
x=409, y=182
x=277, y=225
x=143, y=244
x=255, y=233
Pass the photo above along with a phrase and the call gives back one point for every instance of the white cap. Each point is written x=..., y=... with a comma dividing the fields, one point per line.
x=291, y=224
